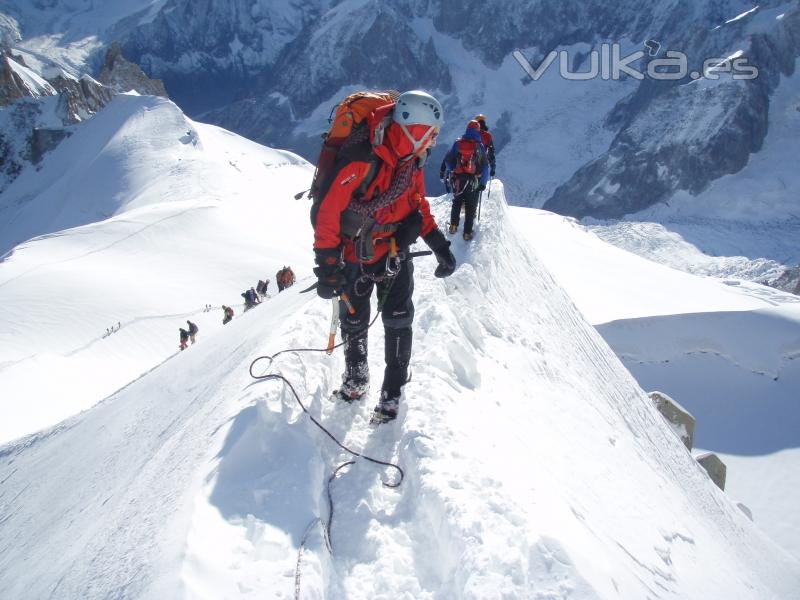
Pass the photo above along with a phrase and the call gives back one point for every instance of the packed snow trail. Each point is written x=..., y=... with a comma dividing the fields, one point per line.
x=535, y=466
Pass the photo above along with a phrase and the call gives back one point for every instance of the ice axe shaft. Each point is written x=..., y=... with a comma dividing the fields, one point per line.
x=334, y=326
x=335, y=319
x=344, y=297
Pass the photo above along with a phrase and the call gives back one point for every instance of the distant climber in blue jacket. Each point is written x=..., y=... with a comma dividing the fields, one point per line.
x=468, y=167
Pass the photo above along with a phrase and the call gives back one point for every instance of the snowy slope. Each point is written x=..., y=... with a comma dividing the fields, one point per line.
x=726, y=349
x=768, y=485
x=187, y=210
x=67, y=33
x=117, y=162
x=660, y=244
x=535, y=466
x=608, y=283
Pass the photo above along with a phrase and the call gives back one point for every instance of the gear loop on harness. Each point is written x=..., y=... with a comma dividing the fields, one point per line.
x=391, y=269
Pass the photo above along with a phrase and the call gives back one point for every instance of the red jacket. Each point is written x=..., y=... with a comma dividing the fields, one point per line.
x=327, y=230
x=486, y=138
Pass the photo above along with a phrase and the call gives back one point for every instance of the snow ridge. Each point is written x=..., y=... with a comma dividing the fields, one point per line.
x=535, y=465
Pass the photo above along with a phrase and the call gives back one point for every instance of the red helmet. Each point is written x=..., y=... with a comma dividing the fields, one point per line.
x=473, y=124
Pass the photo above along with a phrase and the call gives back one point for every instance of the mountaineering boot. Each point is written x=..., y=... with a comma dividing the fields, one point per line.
x=453, y=228
x=352, y=389
x=467, y=236
x=386, y=409
x=355, y=379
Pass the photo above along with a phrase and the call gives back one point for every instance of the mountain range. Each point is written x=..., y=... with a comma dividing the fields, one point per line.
x=273, y=70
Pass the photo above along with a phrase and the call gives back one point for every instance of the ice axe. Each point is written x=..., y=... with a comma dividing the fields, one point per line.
x=335, y=319
x=343, y=297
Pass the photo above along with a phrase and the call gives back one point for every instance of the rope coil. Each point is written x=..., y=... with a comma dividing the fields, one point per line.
x=278, y=376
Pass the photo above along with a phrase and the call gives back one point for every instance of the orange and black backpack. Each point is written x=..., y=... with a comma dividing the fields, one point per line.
x=356, y=127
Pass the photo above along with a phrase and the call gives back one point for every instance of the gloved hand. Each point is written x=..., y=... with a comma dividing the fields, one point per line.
x=491, y=172
x=441, y=248
x=409, y=230
x=481, y=187
x=329, y=272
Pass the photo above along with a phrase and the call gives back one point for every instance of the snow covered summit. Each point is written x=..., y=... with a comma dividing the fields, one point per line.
x=535, y=466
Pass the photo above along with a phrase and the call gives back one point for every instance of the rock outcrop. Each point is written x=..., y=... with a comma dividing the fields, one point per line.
x=682, y=423
x=17, y=81
x=44, y=140
x=715, y=468
x=745, y=509
x=79, y=99
x=31, y=127
x=680, y=419
x=789, y=281
x=121, y=75
x=11, y=88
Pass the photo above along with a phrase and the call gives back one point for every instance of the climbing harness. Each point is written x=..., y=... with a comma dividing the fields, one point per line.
x=458, y=190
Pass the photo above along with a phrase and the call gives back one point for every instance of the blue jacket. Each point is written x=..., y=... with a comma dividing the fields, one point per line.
x=449, y=161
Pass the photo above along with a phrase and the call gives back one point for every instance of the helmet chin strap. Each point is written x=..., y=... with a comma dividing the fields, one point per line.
x=419, y=145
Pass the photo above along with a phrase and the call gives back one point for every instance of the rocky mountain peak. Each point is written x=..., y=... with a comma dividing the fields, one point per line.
x=121, y=75
x=17, y=81
x=81, y=98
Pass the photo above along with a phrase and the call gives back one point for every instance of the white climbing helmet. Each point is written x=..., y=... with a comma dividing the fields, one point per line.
x=419, y=108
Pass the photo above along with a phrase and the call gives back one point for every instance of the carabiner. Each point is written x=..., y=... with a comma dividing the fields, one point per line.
x=393, y=264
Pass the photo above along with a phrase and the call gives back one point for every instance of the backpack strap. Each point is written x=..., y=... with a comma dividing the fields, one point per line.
x=375, y=163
